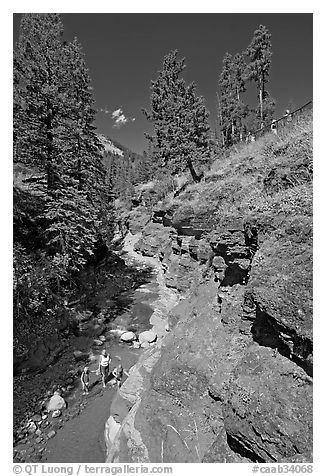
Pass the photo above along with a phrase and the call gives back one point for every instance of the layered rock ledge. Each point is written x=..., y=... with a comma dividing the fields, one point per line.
x=230, y=377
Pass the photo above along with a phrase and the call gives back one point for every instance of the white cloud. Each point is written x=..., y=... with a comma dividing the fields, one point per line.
x=117, y=113
x=118, y=116
x=120, y=119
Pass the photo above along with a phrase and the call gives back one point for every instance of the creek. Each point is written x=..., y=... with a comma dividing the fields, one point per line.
x=79, y=431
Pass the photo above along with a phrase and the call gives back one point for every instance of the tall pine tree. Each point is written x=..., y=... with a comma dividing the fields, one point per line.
x=181, y=137
x=53, y=131
x=38, y=94
x=232, y=110
x=82, y=143
x=259, y=53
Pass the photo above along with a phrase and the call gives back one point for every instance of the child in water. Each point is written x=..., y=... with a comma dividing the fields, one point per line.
x=85, y=380
x=117, y=374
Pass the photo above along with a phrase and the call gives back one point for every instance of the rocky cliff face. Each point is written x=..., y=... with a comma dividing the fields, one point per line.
x=233, y=379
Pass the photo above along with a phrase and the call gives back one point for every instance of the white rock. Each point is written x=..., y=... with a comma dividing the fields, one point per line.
x=98, y=342
x=37, y=418
x=31, y=427
x=117, y=332
x=102, y=338
x=56, y=413
x=144, y=345
x=112, y=428
x=128, y=336
x=56, y=402
x=147, y=336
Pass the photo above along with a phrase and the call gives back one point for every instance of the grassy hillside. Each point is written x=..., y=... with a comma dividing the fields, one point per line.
x=267, y=183
x=266, y=188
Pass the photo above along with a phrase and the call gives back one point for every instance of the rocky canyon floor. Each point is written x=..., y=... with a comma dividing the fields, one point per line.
x=77, y=434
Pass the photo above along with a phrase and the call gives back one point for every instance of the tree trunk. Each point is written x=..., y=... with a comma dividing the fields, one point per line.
x=220, y=118
x=49, y=135
x=196, y=178
x=232, y=131
x=49, y=147
x=262, y=96
x=79, y=167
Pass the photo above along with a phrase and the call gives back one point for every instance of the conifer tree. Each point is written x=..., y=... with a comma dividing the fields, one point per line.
x=144, y=169
x=82, y=143
x=231, y=85
x=239, y=78
x=38, y=94
x=54, y=131
x=181, y=131
x=238, y=74
x=259, y=53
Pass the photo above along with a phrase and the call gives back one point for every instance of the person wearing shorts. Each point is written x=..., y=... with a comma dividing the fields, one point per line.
x=104, y=366
x=85, y=380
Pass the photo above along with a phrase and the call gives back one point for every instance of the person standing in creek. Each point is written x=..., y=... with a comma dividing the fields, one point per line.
x=85, y=380
x=103, y=367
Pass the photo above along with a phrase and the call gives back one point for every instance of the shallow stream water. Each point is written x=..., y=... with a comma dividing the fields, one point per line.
x=81, y=436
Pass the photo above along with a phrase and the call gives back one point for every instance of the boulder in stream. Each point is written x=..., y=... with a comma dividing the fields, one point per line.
x=147, y=336
x=31, y=427
x=145, y=345
x=56, y=402
x=98, y=342
x=128, y=336
x=37, y=418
